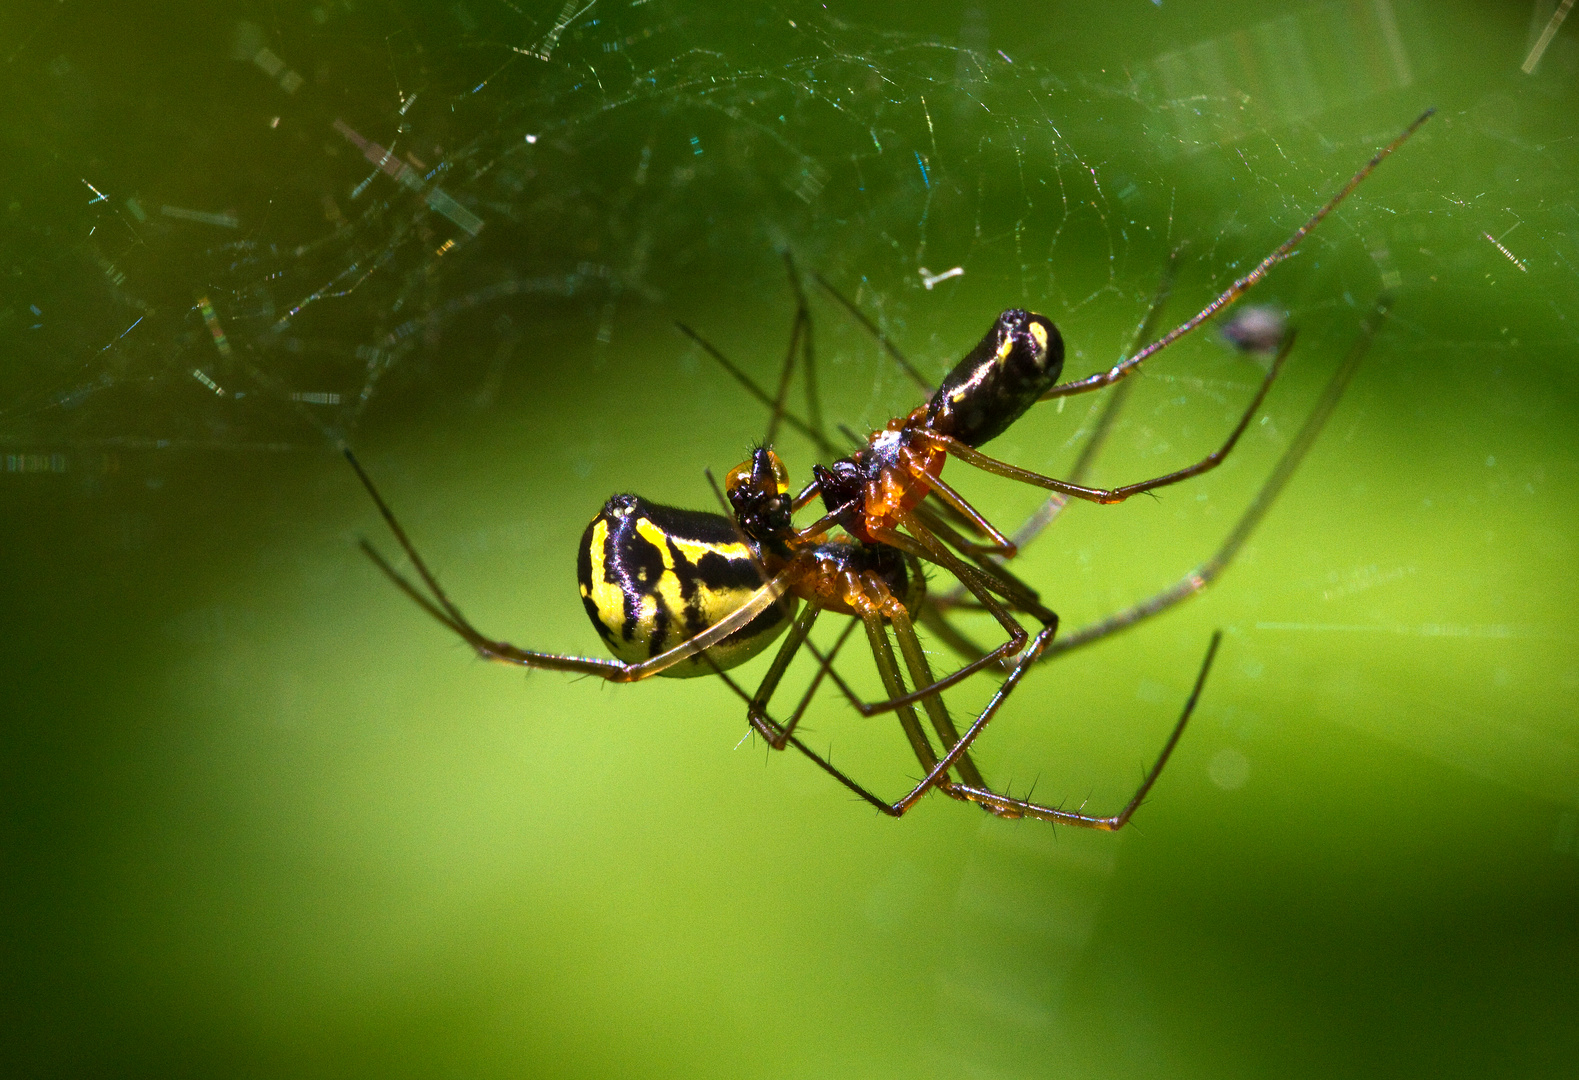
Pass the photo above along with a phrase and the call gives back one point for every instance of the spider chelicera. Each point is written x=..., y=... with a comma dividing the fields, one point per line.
x=681, y=593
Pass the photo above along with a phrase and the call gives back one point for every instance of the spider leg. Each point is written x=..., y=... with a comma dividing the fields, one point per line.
x=871, y=617
x=937, y=711
x=790, y=739
x=956, y=747
x=779, y=733
x=1241, y=286
x=1001, y=545
x=888, y=669
x=934, y=614
x=808, y=357
x=441, y=608
x=955, y=757
x=1006, y=806
x=800, y=326
x=936, y=621
x=824, y=669
x=1107, y=496
x=801, y=344
x=1048, y=512
x=756, y=706
x=937, y=774
x=1204, y=574
x=490, y=649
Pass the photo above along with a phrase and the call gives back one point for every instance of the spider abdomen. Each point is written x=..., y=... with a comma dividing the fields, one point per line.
x=652, y=577
x=1008, y=371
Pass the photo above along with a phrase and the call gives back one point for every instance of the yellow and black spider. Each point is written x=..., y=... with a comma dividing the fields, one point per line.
x=683, y=592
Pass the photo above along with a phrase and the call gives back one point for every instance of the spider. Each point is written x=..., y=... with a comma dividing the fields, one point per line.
x=880, y=492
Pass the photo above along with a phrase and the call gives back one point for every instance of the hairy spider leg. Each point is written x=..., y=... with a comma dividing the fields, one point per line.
x=1003, y=805
x=777, y=732
x=936, y=767
x=862, y=591
x=919, y=541
x=1006, y=806
x=801, y=343
x=882, y=339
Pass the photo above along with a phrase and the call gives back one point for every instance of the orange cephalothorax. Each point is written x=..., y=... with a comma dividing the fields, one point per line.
x=879, y=484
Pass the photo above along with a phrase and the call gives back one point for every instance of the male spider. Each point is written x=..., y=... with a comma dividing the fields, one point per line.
x=871, y=492
x=878, y=492
x=775, y=534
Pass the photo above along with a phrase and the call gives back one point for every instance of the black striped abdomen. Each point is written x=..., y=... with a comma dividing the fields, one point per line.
x=654, y=576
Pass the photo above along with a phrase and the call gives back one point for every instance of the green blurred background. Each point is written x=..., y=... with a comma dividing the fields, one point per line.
x=264, y=818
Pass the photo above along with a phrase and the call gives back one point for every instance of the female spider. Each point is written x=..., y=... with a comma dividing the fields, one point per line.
x=681, y=593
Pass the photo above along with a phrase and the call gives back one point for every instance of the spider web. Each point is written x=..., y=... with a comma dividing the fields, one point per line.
x=325, y=217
